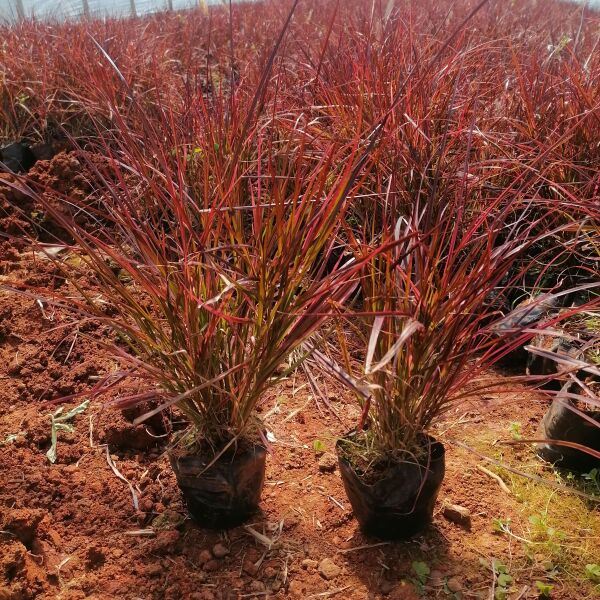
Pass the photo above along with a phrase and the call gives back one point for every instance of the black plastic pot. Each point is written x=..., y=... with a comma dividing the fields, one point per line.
x=400, y=502
x=17, y=157
x=561, y=423
x=228, y=492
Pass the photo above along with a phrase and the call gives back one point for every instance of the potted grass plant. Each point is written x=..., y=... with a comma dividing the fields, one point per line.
x=206, y=243
x=209, y=295
x=431, y=300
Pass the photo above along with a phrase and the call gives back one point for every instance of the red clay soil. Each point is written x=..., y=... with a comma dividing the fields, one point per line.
x=70, y=530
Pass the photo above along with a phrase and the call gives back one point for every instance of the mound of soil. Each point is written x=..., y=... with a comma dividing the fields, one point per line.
x=67, y=183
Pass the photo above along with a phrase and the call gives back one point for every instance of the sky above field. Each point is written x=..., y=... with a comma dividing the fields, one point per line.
x=73, y=7
x=58, y=8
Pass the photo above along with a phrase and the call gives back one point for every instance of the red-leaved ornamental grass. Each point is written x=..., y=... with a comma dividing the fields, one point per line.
x=438, y=303
x=201, y=155
x=244, y=195
x=474, y=231
x=209, y=244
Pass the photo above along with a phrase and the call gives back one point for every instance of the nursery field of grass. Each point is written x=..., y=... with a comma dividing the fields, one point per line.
x=299, y=299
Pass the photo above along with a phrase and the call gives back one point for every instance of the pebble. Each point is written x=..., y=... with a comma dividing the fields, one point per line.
x=252, y=554
x=309, y=563
x=454, y=584
x=457, y=514
x=204, y=557
x=270, y=572
x=290, y=523
x=146, y=505
x=152, y=570
x=166, y=540
x=328, y=569
x=327, y=462
x=220, y=550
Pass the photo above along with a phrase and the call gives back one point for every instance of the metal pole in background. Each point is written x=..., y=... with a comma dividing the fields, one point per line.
x=86, y=8
x=20, y=9
x=132, y=8
x=170, y=5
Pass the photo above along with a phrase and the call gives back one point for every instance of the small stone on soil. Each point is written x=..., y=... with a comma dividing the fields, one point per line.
x=308, y=563
x=458, y=514
x=220, y=550
x=204, y=557
x=327, y=463
x=146, y=505
x=270, y=572
x=454, y=584
x=328, y=569
x=152, y=570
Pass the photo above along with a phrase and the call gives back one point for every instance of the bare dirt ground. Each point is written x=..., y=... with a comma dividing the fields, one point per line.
x=106, y=520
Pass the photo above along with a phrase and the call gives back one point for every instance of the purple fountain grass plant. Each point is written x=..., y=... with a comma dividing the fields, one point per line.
x=437, y=300
x=207, y=246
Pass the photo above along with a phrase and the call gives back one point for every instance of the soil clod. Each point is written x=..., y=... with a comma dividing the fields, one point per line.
x=328, y=569
x=457, y=514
